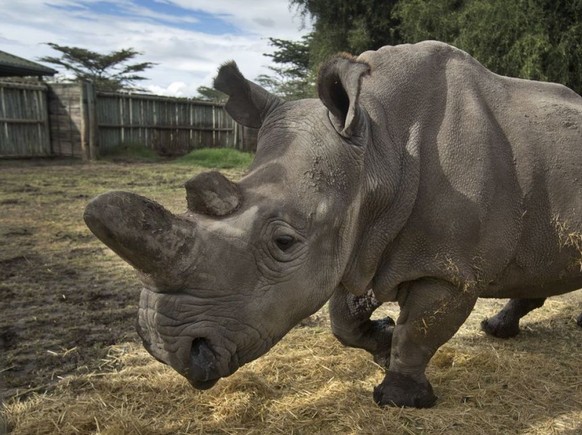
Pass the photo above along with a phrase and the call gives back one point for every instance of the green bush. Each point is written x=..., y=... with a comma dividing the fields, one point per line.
x=216, y=158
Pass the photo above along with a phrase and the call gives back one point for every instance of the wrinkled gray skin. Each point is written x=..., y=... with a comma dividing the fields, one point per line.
x=418, y=177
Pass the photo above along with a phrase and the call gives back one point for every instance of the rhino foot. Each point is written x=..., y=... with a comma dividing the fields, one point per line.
x=500, y=327
x=400, y=390
x=505, y=324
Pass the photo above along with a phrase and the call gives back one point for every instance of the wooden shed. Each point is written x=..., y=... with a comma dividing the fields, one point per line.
x=14, y=66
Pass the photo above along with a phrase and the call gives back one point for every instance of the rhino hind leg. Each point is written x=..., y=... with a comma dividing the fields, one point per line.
x=579, y=320
x=505, y=324
x=352, y=326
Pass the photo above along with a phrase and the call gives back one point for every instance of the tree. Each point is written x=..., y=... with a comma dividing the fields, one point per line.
x=210, y=94
x=339, y=25
x=349, y=25
x=108, y=72
x=295, y=78
x=532, y=39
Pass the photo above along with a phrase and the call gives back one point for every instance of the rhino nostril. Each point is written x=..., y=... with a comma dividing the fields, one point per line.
x=202, y=367
x=201, y=354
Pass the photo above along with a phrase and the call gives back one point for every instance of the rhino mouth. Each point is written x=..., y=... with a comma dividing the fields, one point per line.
x=203, y=385
x=203, y=366
x=202, y=370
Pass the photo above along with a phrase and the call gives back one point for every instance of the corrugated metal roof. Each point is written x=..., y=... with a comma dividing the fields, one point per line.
x=14, y=66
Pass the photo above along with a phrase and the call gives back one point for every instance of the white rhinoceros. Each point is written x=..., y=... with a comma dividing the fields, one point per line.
x=418, y=176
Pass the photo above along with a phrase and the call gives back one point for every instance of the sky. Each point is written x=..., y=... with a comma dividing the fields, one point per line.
x=187, y=39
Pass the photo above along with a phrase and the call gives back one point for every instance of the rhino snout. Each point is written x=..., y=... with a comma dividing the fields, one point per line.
x=200, y=366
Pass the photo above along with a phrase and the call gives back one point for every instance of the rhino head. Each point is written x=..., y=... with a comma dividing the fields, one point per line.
x=223, y=282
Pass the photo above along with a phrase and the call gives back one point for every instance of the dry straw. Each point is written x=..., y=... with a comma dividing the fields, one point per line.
x=309, y=383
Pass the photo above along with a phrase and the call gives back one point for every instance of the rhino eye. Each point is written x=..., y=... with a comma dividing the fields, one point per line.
x=284, y=242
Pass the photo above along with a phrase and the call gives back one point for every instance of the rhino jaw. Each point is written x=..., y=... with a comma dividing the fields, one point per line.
x=145, y=234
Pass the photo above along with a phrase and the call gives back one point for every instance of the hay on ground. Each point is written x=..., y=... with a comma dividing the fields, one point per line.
x=309, y=383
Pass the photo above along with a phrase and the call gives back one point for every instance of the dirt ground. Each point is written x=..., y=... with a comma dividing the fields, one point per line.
x=65, y=298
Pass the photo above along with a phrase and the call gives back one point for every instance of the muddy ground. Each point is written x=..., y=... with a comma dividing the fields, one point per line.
x=64, y=297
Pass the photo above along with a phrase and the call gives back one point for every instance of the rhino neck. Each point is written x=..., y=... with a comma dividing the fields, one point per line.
x=386, y=208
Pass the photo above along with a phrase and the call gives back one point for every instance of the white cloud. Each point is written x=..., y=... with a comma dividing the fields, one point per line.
x=186, y=58
x=267, y=18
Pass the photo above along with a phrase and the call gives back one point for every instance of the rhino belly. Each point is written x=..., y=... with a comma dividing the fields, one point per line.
x=516, y=282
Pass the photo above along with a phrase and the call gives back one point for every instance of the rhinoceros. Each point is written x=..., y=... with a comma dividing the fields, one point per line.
x=417, y=176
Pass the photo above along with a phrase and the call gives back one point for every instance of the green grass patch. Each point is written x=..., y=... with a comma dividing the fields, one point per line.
x=130, y=152
x=216, y=158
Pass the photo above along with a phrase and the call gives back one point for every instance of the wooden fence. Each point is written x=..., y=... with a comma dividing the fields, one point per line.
x=170, y=126
x=79, y=122
x=24, y=130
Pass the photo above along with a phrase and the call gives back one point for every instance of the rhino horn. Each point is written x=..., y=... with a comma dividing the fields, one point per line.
x=143, y=233
x=212, y=194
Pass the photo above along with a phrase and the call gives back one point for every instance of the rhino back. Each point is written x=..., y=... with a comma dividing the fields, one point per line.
x=498, y=163
x=544, y=128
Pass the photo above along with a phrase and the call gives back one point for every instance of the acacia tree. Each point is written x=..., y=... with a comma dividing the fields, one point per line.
x=108, y=72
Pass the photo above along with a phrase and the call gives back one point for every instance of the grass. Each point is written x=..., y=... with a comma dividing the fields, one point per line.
x=211, y=158
x=216, y=158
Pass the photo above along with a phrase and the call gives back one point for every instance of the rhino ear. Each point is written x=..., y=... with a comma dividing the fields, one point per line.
x=338, y=85
x=248, y=103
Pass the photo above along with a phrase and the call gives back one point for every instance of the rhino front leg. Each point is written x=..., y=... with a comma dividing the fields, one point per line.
x=505, y=324
x=432, y=311
x=352, y=326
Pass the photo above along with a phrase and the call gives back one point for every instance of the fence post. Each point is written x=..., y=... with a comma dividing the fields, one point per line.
x=92, y=116
x=88, y=121
x=84, y=121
